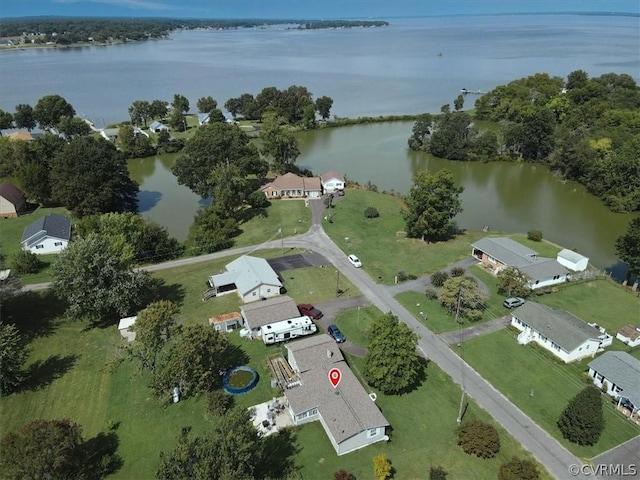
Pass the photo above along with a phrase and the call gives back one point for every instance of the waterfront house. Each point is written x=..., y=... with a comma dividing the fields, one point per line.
x=24, y=136
x=619, y=374
x=12, y=200
x=49, y=234
x=291, y=185
x=203, y=118
x=496, y=253
x=332, y=182
x=573, y=260
x=348, y=414
x=252, y=278
x=563, y=334
x=157, y=127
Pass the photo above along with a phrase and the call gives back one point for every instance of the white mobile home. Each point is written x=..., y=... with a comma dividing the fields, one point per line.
x=287, y=329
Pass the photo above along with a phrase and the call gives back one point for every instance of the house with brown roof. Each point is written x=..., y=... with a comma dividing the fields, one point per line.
x=629, y=334
x=24, y=136
x=291, y=185
x=12, y=200
x=347, y=412
x=332, y=181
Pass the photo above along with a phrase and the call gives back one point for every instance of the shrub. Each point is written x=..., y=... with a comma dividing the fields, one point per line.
x=431, y=293
x=438, y=278
x=381, y=467
x=457, y=272
x=473, y=315
x=535, y=235
x=371, y=212
x=402, y=276
x=258, y=199
x=518, y=469
x=479, y=439
x=437, y=473
x=25, y=262
x=582, y=420
x=342, y=474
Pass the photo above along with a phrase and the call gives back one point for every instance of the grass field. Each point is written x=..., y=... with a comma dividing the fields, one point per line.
x=381, y=243
x=540, y=386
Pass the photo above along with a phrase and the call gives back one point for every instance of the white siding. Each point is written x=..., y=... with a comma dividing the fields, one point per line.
x=360, y=440
x=547, y=282
x=48, y=245
x=261, y=291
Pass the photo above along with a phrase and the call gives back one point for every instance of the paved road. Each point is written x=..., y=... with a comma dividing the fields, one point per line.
x=548, y=451
x=625, y=456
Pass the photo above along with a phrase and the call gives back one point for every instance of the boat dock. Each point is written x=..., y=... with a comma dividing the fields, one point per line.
x=464, y=91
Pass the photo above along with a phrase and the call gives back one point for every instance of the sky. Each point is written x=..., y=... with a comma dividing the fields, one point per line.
x=303, y=9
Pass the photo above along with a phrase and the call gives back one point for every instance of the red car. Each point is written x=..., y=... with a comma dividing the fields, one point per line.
x=309, y=310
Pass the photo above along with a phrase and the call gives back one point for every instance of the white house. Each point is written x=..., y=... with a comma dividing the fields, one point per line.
x=572, y=260
x=203, y=118
x=563, y=334
x=49, y=234
x=157, y=127
x=629, y=334
x=332, y=181
x=252, y=278
x=620, y=373
x=497, y=253
x=347, y=413
x=123, y=327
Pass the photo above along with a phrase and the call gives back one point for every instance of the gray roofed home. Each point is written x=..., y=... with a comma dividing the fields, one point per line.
x=348, y=414
x=157, y=127
x=497, y=253
x=12, y=201
x=251, y=277
x=272, y=310
x=558, y=331
x=48, y=234
x=621, y=374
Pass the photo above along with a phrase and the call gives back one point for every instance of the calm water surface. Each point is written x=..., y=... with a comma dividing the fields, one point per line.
x=381, y=71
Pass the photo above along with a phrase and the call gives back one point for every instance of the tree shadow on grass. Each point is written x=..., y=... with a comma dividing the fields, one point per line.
x=33, y=313
x=276, y=454
x=42, y=372
x=236, y=356
x=98, y=455
x=159, y=290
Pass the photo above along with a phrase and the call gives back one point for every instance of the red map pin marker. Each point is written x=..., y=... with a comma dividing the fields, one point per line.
x=335, y=375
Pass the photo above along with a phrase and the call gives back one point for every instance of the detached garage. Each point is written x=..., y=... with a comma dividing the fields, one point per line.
x=573, y=260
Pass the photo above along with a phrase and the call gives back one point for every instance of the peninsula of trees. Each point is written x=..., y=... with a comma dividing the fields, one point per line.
x=70, y=31
x=585, y=129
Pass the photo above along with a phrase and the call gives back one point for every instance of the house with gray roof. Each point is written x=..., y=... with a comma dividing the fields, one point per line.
x=560, y=332
x=157, y=127
x=497, y=253
x=620, y=373
x=49, y=234
x=347, y=412
x=252, y=278
x=272, y=310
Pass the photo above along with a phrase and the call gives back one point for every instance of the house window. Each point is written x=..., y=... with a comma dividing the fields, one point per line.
x=57, y=244
x=39, y=247
x=491, y=259
x=268, y=290
x=314, y=411
x=254, y=294
x=372, y=432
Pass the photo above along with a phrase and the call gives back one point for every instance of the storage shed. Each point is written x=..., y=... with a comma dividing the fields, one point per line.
x=573, y=260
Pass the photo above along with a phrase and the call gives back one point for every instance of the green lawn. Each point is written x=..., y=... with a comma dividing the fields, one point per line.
x=381, y=242
x=540, y=386
x=423, y=428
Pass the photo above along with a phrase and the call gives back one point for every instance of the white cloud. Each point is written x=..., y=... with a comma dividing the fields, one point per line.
x=139, y=4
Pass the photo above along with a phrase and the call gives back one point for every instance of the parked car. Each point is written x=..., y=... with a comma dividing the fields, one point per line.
x=355, y=261
x=341, y=193
x=513, y=302
x=310, y=311
x=336, y=334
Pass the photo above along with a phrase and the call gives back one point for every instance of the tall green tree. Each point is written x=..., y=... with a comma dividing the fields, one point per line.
x=628, y=247
x=278, y=142
x=211, y=231
x=582, y=420
x=230, y=452
x=96, y=281
x=512, y=282
x=391, y=364
x=134, y=145
x=458, y=103
x=478, y=438
x=42, y=449
x=193, y=363
x=6, y=121
x=431, y=204
x=518, y=469
x=218, y=143
x=206, y=104
x=140, y=112
x=323, y=106
x=158, y=109
x=73, y=127
x=178, y=120
x=34, y=177
x=13, y=356
x=50, y=109
x=462, y=295
x=154, y=328
x=421, y=133
x=23, y=117
x=180, y=103
x=90, y=176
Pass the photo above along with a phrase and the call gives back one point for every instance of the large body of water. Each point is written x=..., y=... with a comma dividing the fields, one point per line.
x=380, y=71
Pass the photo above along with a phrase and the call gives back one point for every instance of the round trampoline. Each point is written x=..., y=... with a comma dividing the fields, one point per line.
x=239, y=380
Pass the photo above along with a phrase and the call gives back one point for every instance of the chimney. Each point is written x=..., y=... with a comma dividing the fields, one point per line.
x=329, y=353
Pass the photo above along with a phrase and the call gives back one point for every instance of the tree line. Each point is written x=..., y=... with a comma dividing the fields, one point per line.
x=70, y=30
x=585, y=129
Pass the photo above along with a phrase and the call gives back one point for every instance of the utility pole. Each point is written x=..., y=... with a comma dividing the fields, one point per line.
x=337, y=282
x=459, y=419
x=281, y=240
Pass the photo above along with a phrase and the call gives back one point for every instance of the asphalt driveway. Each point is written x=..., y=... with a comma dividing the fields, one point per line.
x=302, y=260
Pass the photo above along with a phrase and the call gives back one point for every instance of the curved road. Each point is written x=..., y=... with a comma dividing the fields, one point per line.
x=548, y=451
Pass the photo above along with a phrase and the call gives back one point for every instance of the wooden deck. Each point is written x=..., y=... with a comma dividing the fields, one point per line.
x=283, y=372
